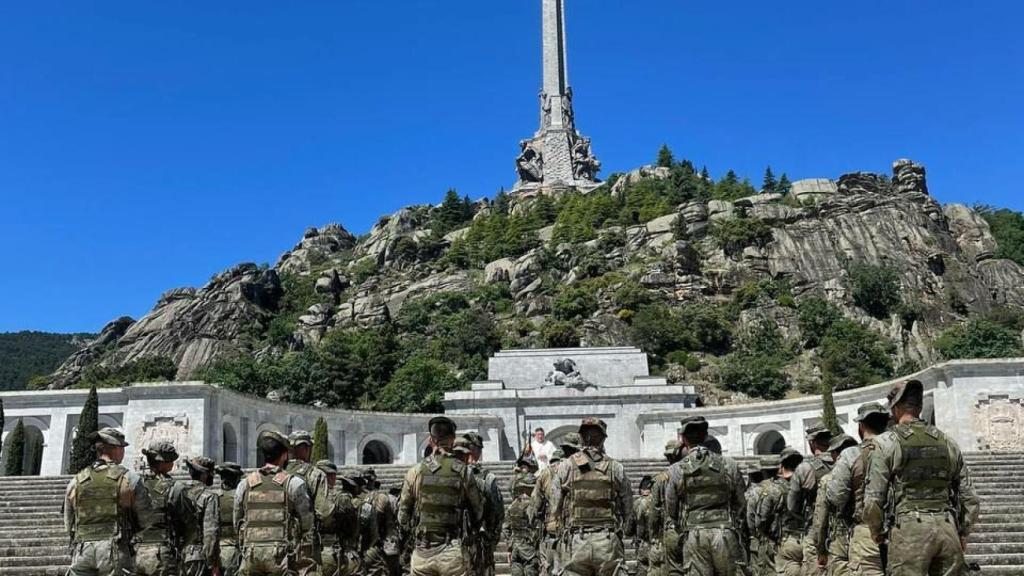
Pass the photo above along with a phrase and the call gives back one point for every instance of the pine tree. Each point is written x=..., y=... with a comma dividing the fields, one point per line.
x=679, y=230
x=769, y=185
x=319, y=440
x=15, y=451
x=828, y=417
x=784, y=184
x=1, y=423
x=82, y=452
x=665, y=157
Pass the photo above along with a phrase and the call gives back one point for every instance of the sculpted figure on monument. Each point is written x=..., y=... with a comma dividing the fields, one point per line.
x=584, y=165
x=545, y=109
x=530, y=163
x=566, y=374
x=568, y=117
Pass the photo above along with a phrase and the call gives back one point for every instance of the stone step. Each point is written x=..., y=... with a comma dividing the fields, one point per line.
x=1004, y=537
x=980, y=549
x=996, y=571
x=34, y=560
x=997, y=559
x=33, y=550
x=52, y=570
x=991, y=518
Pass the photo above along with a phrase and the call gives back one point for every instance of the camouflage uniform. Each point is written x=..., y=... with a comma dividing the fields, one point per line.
x=494, y=510
x=273, y=515
x=339, y=526
x=933, y=503
x=704, y=497
x=201, y=553
x=230, y=557
x=156, y=553
x=104, y=505
x=845, y=492
x=781, y=531
x=316, y=483
x=762, y=548
x=376, y=531
x=641, y=531
x=440, y=505
x=520, y=533
x=666, y=554
x=750, y=498
x=594, y=494
x=541, y=509
x=803, y=491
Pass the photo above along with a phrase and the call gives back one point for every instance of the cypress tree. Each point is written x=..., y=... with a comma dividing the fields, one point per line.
x=82, y=452
x=319, y=441
x=1, y=423
x=828, y=417
x=15, y=451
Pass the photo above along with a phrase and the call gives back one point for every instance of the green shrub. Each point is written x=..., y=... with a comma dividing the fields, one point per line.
x=320, y=441
x=419, y=386
x=1008, y=230
x=660, y=329
x=816, y=317
x=572, y=303
x=853, y=356
x=678, y=357
x=559, y=334
x=730, y=188
x=26, y=355
x=876, y=289
x=149, y=369
x=980, y=338
x=733, y=235
x=632, y=296
x=754, y=375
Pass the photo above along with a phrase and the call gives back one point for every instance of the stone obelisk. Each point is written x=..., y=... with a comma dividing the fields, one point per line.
x=557, y=156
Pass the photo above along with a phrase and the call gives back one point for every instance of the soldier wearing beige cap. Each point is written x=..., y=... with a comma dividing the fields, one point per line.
x=762, y=550
x=541, y=508
x=156, y=553
x=781, y=531
x=201, y=555
x=230, y=474
x=105, y=505
x=665, y=550
x=830, y=530
x=316, y=482
x=803, y=491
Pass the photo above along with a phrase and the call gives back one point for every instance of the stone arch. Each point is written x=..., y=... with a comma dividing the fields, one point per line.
x=769, y=442
x=376, y=449
x=230, y=441
x=108, y=421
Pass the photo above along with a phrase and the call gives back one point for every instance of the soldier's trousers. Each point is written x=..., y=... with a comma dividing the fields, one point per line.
x=440, y=560
x=839, y=553
x=754, y=555
x=593, y=554
x=713, y=552
x=865, y=557
x=230, y=557
x=767, y=551
x=809, y=567
x=337, y=563
x=374, y=563
x=549, y=555
x=524, y=559
x=643, y=559
x=195, y=568
x=656, y=559
x=673, y=552
x=790, y=557
x=270, y=560
x=155, y=560
x=101, y=558
x=924, y=544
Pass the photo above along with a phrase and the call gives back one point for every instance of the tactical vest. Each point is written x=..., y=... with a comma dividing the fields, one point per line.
x=591, y=490
x=523, y=485
x=441, y=501
x=859, y=476
x=266, y=508
x=705, y=491
x=194, y=527
x=369, y=523
x=922, y=483
x=98, y=509
x=227, y=515
x=518, y=520
x=160, y=532
x=784, y=521
x=819, y=468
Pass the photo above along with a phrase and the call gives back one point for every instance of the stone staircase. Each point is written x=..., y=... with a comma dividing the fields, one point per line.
x=32, y=541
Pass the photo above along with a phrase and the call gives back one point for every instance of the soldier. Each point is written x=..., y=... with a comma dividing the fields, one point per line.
x=845, y=491
x=917, y=475
x=230, y=474
x=494, y=508
x=440, y=506
x=398, y=554
x=273, y=513
x=704, y=498
x=641, y=523
x=803, y=491
x=665, y=551
x=377, y=519
x=830, y=531
x=762, y=562
x=522, y=535
x=104, y=506
x=156, y=553
x=781, y=531
x=596, y=499
x=337, y=526
x=299, y=465
x=754, y=478
x=541, y=505
x=201, y=554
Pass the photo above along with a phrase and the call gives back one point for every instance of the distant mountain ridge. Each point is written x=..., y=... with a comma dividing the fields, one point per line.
x=28, y=354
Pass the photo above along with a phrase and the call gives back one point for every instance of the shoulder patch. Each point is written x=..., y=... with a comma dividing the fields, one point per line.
x=458, y=466
x=933, y=432
x=281, y=478
x=83, y=476
x=254, y=480
x=903, y=431
x=115, y=472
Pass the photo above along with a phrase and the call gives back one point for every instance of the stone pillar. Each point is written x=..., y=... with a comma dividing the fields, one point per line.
x=410, y=447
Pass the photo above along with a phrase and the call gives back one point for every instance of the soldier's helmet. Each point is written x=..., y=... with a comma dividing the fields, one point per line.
x=556, y=456
x=840, y=442
x=463, y=445
x=591, y=423
x=441, y=427
x=229, y=469
x=572, y=441
x=528, y=462
x=768, y=463
x=819, y=434
x=790, y=457
x=671, y=448
x=271, y=439
x=160, y=451
x=905, y=390
x=327, y=467
x=696, y=422
x=300, y=437
x=109, y=436
x=201, y=464
x=475, y=439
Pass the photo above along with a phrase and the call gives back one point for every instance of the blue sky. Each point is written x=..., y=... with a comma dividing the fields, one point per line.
x=148, y=145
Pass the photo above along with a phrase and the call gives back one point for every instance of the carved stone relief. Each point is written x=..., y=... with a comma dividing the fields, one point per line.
x=999, y=423
x=173, y=428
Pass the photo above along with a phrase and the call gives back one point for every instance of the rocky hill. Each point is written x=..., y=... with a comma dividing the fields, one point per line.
x=26, y=355
x=748, y=292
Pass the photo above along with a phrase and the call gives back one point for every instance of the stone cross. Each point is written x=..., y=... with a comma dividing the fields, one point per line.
x=556, y=78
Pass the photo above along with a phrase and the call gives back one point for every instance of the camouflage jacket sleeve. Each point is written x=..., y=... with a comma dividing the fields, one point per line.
x=876, y=491
x=965, y=497
x=385, y=511
x=840, y=486
x=318, y=489
x=177, y=503
x=301, y=508
x=211, y=527
x=797, y=486
x=407, y=501
x=739, y=490
x=656, y=504
x=141, y=509
x=239, y=513
x=767, y=506
x=69, y=508
x=672, y=488
x=495, y=508
x=820, y=523
x=624, y=497
x=538, y=498
x=475, y=497
x=750, y=512
x=559, y=476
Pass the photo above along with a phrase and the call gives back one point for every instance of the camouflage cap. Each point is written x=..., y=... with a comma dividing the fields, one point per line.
x=870, y=409
x=110, y=437
x=646, y=482
x=572, y=440
x=528, y=461
x=671, y=448
x=790, y=457
x=841, y=441
x=475, y=439
x=556, y=456
x=692, y=421
x=350, y=485
x=463, y=445
x=327, y=467
x=591, y=422
x=901, y=391
x=272, y=437
x=201, y=464
x=369, y=474
x=160, y=451
x=818, y=434
x=768, y=462
x=441, y=426
x=300, y=437
x=229, y=469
